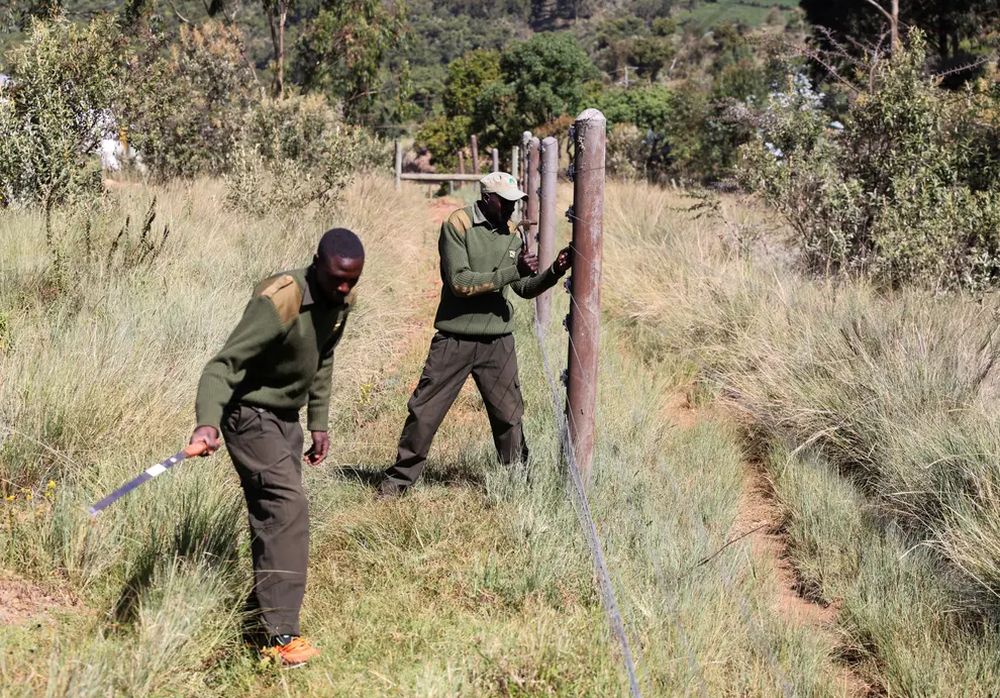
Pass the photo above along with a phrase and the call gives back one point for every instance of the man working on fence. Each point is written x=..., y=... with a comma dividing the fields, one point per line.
x=277, y=359
x=480, y=257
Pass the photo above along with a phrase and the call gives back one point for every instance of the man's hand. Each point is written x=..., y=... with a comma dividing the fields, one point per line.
x=320, y=447
x=527, y=263
x=208, y=436
x=564, y=260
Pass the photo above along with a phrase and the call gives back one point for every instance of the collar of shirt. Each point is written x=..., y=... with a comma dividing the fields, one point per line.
x=478, y=218
x=311, y=292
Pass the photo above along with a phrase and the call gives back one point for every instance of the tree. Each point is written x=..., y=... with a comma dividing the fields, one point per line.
x=343, y=49
x=955, y=28
x=277, y=15
x=543, y=78
x=468, y=77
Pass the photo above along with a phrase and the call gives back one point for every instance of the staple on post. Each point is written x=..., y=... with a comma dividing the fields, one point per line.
x=589, y=136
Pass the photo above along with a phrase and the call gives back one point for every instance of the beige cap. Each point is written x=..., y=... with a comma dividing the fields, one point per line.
x=503, y=184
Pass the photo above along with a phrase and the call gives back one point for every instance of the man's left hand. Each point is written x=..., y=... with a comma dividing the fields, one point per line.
x=564, y=260
x=320, y=447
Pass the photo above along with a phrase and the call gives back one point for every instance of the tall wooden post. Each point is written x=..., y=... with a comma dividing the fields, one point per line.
x=495, y=154
x=589, y=141
x=474, y=147
x=399, y=165
x=547, y=222
x=461, y=162
x=531, y=188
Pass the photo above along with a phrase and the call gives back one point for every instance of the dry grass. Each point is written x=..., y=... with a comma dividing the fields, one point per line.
x=881, y=407
x=478, y=584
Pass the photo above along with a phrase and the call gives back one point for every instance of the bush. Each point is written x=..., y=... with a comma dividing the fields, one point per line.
x=186, y=119
x=890, y=193
x=65, y=80
x=296, y=152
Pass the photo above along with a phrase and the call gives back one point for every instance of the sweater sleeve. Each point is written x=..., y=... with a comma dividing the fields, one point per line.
x=458, y=274
x=532, y=286
x=259, y=326
x=318, y=409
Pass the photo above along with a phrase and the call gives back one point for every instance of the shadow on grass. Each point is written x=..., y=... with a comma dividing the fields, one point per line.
x=464, y=471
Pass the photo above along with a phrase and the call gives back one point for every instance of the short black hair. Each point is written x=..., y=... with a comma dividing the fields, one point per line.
x=340, y=242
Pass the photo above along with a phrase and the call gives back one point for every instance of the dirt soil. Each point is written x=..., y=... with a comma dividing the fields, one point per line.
x=22, y=601
x=760, y=519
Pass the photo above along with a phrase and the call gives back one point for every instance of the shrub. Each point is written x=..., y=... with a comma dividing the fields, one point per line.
x=296, y=152
x=65, y=80
x=187, y=117
x=889, y=193
x=444, y=136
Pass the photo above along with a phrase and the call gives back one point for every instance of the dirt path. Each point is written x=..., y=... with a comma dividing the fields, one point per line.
x=760, y=519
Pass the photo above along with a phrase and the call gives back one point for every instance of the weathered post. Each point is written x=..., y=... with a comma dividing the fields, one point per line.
x=495, y=154
x=547, y=222
x=474, y=147
x=587, y=214
x=461, y=162
x=515, y=162
x=525, y=137
x=399, y=165
x=531, y=188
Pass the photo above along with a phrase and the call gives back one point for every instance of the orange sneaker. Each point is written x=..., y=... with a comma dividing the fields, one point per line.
x=293, y=652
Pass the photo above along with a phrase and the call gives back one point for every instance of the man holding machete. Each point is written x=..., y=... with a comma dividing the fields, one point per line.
x=278, y=359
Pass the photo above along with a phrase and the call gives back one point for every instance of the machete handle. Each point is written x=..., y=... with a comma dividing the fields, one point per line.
x=196, y=449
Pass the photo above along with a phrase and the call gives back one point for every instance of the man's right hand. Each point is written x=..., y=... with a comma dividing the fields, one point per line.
x=527, y=263
x=208, y=436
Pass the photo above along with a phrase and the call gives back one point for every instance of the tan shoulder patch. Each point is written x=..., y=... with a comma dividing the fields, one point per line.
x=284, y=293
x=460, y=219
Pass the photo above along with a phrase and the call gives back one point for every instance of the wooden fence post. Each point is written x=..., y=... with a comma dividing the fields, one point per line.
x=474, y=147
x=589, y=142
x=398, y=165
x=495, y=154
x=461, y=162
x=531, y=188
x=547, y=223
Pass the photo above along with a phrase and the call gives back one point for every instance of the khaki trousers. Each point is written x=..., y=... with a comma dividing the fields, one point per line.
x=492, y=363
x=266, y=449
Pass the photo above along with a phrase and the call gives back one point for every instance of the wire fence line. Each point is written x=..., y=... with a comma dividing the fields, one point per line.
x=582, y=506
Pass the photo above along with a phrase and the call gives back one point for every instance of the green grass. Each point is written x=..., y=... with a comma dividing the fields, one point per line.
x=874, y=413
x=755, y=13
x=477, y=584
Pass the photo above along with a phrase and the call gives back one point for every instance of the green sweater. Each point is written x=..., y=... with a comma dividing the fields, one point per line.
x=280, y=356
x=478, y=264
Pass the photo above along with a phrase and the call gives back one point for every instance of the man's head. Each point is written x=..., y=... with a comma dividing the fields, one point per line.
x=499, y=194
x=339, y=260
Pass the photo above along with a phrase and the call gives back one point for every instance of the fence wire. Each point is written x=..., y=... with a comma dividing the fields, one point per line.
x=587, y=521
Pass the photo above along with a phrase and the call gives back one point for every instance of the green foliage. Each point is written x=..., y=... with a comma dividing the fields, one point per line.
x=66, y=80
x=543, y=78
x=187, y=118
x=892, y=195
x=294, y=153
x=444, y=136
x=343, y=48
x=468, y=77
x=630, y=43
